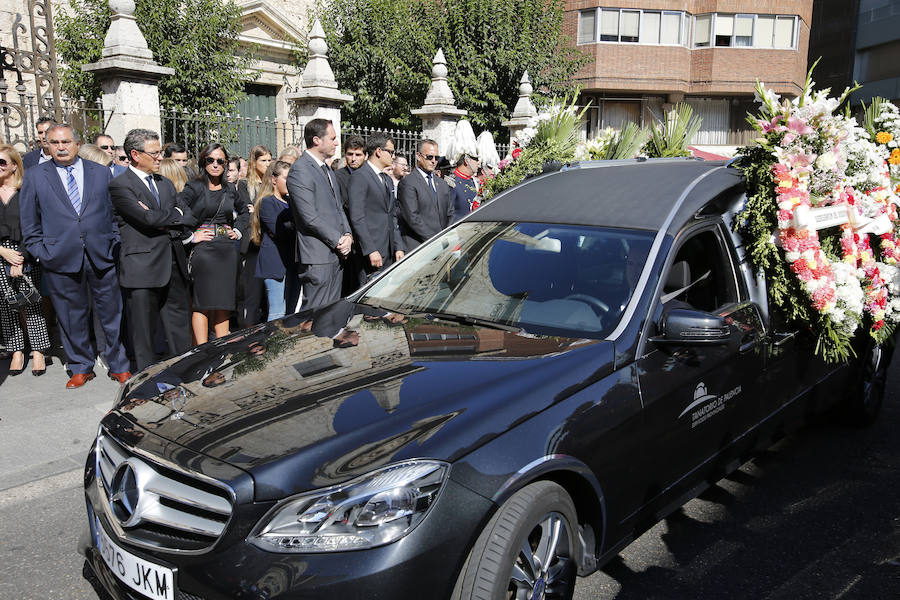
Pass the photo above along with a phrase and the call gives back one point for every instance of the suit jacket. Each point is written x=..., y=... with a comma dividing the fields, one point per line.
x=318, y=214
x=343, y=175
x=52, y=230
x=420, y=217
x=197, y=196
x=117, y=170
x=373, y=214
x=149, y=237
x=31, y=158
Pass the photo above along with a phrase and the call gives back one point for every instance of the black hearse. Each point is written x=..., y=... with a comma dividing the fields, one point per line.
x=505, y=409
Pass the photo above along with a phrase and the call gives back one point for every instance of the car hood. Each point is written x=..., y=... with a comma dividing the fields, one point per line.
x=320, y=397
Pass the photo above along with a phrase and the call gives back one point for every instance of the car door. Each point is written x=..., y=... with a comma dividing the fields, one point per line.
x=700, y=399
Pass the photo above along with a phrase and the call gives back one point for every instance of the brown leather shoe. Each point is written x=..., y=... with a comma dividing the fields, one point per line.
x=79, y=379
x=120, y=377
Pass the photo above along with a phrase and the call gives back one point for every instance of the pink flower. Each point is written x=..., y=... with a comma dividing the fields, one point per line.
x=799, y=126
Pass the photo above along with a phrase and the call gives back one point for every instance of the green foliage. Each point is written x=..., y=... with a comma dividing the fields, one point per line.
x=553, y=144
x=197, y=38
x=381, y=51
x=870, y=114
x=671, y=137
x=627, y=143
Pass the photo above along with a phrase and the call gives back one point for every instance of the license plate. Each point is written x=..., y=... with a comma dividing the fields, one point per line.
x=145, y=577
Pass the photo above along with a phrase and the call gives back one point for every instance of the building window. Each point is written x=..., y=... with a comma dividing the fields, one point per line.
x=587, y=27
x=632, y=26
x=744, y=31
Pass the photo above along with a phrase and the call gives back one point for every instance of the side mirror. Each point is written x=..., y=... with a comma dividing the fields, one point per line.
x=693, y=327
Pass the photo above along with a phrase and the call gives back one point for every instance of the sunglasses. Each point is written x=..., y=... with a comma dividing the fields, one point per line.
x=428, y=156
x=390, y=151
x=219, y=161
x=121, y=157
x=107, y=147
x=4, y=162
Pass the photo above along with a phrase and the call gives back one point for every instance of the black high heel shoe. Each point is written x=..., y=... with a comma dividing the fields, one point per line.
x=14, y=372
x=39, y=372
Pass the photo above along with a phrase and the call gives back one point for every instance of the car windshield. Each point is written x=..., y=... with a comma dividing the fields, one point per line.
x=547, y=279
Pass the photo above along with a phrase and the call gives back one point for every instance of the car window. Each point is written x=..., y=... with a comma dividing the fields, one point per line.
x=700, y=275
x=566, y=278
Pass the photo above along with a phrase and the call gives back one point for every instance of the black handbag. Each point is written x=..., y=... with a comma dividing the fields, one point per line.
x=23, y=297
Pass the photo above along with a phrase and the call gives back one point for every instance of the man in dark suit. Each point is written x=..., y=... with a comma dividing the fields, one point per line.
x=41, y=154
x=373, y=209
x=354, y=157
x=323, y=232
x=108, y=145
x=424, y=200
x=152, y=260
x=67, y=223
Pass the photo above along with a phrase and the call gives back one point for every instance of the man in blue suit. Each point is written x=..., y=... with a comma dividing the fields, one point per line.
x=41, y=154
x=67, y=223
x=108, y=145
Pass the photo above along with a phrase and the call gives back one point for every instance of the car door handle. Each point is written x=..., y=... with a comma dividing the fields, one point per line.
x=784, y=338
x=749, y=342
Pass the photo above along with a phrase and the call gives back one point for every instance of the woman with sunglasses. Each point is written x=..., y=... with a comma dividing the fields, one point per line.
x=214, y=257
x=18, y=272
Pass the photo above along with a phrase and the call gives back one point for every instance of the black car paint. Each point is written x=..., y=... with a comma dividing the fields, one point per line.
x=585, y=413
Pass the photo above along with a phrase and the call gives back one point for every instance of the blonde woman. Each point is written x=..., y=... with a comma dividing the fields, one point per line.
x=93, y=153
x=250, y=289
x=272, y=227
x=171, y=170
x=18, y=273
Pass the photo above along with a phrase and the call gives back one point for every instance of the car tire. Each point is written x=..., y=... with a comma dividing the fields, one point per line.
x=515, y=557
x=863, y=401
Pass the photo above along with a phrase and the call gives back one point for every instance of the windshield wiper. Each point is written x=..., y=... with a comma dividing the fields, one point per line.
x=467, y=320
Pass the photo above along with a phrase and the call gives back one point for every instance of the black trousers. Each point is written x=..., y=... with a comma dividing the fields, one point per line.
x=169, y=305
x=251, y=291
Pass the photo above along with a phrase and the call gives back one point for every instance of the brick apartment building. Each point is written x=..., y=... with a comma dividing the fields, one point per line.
x=649, y=54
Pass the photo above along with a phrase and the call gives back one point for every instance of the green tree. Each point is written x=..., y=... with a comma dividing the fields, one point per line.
x=197, y=38
x=381, y=51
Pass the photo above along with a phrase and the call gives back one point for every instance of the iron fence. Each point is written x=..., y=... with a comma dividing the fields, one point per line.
x=17, y=122
x=404, y=140
x=238, y=133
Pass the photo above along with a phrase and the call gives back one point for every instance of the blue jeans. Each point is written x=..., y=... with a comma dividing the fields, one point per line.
x=282, y=294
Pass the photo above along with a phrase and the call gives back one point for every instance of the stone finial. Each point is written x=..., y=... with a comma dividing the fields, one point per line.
x=124, y=37
x=318, y=71
x=439, y=91
x=524, y=106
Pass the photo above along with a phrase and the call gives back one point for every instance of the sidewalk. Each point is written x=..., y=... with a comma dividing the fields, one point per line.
x=46, y=429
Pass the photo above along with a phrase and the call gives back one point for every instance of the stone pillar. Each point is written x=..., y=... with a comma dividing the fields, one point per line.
x=128, y=75
x=524, y=113
x=318, y=96
x=439, y=113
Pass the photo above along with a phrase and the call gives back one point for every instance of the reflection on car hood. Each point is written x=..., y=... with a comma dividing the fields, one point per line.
x=323, y=396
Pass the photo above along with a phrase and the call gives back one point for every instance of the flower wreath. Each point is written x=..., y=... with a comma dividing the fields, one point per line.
x=821, y=218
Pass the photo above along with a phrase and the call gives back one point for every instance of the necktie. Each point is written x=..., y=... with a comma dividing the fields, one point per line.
x=72, y=190
x=326, y=170
x=388, y=184
x=153, y=189
x=431, y=185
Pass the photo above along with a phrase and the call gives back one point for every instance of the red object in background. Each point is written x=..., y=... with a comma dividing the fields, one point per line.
x=706, y=155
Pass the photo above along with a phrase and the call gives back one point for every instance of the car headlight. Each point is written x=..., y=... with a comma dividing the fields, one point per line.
x=377, y=508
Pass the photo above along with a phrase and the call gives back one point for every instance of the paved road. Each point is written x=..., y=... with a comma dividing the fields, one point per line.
x=815, y=517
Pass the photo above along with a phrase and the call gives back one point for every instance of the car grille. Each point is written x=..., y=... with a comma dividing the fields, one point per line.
x=159, y=506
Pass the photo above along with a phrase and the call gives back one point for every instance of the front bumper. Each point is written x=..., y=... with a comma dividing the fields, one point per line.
x=423, y=564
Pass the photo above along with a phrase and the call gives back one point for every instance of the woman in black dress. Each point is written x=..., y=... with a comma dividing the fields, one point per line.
x=223, y=218
x=17, y=269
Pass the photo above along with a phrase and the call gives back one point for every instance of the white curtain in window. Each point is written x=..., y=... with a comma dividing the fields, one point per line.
x=617, y=114
x=671, y=28
x=784, y=32
x=725, y=25
x=609, y=24
x=630, y=25
x=765, y=29
x=650, y=28
x=587, y=26
x=714, y=125
x=701, y=30
x=743, y=30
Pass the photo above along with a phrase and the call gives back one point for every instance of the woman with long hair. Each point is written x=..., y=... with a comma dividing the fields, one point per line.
x=19, y=271
x=214, y=259
x=174, y=172
x=272, y=227
x=250, y=289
